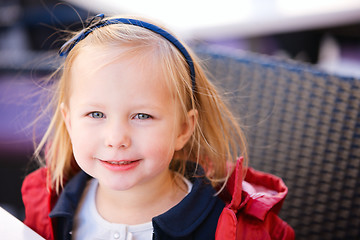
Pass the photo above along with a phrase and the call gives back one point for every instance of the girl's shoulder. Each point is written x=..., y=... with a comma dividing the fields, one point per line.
x=35, y=186
x=37, y=199
x=252, y=205
x=255, y=185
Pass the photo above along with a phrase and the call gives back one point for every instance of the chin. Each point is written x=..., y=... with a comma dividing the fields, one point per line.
x=117, y=185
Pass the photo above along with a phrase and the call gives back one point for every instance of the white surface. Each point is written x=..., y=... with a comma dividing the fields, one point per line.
x=210, y=19
x=11, y=228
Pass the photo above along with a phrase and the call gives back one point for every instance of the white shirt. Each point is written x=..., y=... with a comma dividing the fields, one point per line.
x=88, y=223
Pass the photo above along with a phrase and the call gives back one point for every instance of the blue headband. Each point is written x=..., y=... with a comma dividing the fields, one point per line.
x=98, y=22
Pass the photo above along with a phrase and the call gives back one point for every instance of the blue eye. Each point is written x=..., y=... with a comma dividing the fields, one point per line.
x=96, y=115
x=142, y=116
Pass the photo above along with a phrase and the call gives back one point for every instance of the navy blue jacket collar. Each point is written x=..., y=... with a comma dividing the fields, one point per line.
x=198, y=207
x=70, y=196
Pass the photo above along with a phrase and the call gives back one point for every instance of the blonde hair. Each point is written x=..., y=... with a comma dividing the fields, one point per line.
x=217, y=138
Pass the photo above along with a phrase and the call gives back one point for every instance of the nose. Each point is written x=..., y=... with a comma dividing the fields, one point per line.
x=117, y=136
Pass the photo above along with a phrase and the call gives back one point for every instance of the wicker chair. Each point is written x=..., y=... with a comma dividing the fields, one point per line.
x=304, y=126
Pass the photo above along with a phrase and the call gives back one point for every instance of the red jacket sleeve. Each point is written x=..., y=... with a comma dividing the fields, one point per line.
x=37, y=198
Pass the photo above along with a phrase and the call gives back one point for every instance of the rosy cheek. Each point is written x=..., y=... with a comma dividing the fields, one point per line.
x=164, y=153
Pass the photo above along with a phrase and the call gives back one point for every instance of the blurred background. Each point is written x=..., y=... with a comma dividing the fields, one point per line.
x=325, y=33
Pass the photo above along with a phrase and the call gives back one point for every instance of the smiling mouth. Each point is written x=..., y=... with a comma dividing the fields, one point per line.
x=119, y=163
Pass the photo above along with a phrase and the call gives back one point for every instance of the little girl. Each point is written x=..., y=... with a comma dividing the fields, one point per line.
x=141, y=146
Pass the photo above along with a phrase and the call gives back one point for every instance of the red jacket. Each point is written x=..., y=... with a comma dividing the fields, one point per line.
x=250, y=213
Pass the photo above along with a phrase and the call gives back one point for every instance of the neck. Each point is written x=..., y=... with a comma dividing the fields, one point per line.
x=141, y=203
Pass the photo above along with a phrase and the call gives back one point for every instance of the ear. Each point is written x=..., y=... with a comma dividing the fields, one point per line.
x=187, y=129
x=66, y=116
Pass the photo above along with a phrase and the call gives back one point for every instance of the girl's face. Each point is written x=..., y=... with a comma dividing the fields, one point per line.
x=123, y=121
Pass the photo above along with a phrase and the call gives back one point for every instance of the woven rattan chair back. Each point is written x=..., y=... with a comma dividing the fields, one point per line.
x=304, y=126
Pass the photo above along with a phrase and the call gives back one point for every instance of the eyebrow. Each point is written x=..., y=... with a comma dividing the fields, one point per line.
x=137, y=106
x=94, y=105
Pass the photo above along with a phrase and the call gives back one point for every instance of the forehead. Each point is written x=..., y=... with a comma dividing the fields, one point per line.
x=93, y=58
x=105, y=70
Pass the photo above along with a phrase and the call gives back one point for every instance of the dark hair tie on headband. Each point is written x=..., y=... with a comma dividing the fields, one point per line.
x=98, y=22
